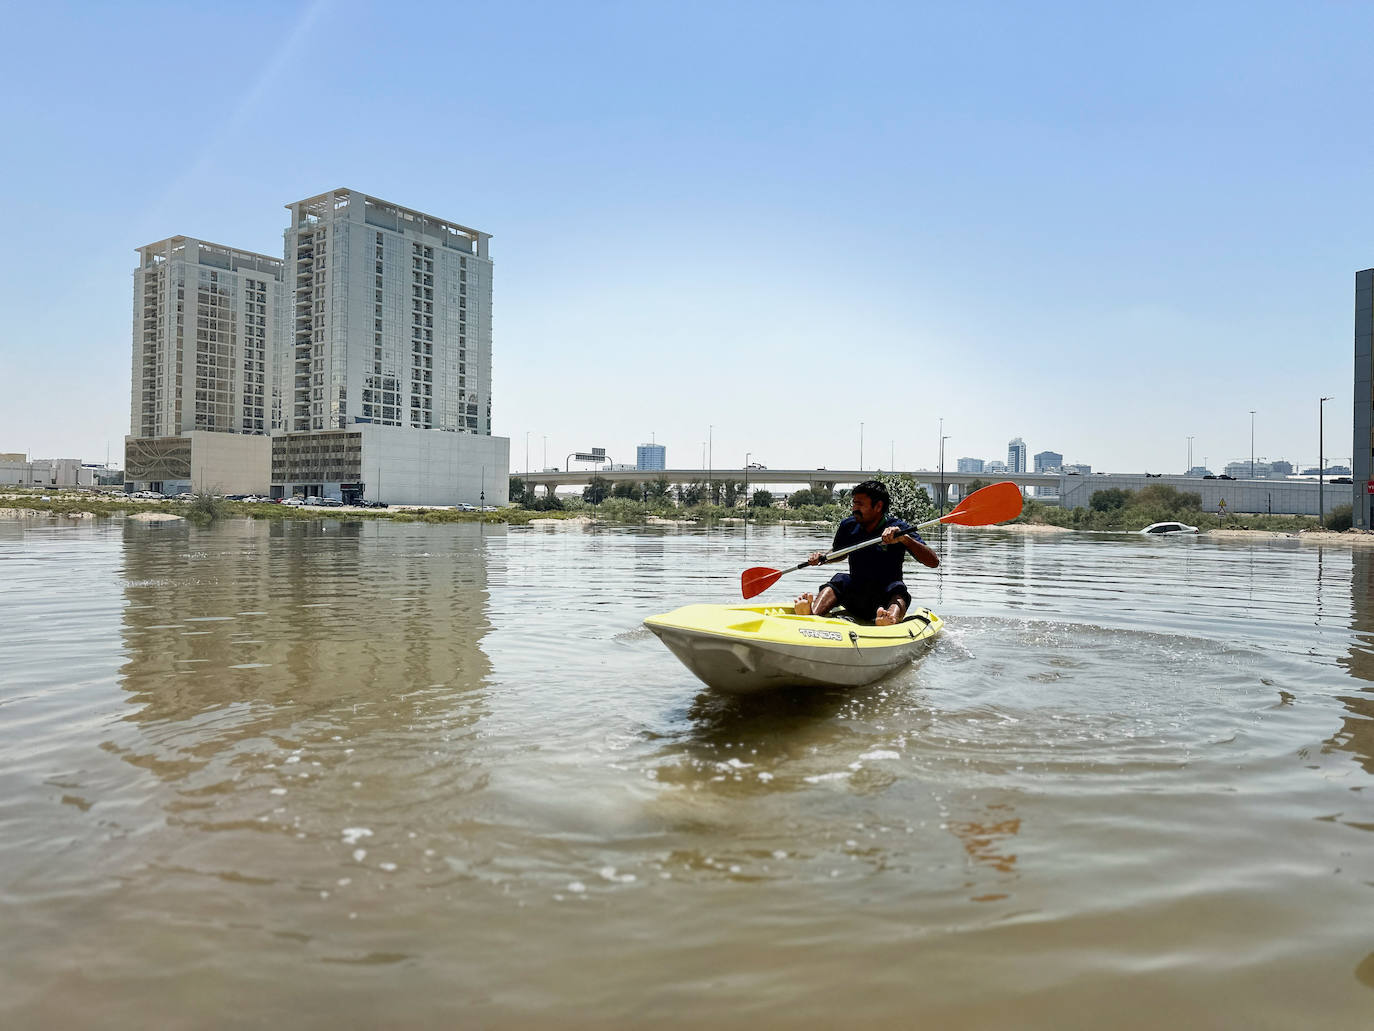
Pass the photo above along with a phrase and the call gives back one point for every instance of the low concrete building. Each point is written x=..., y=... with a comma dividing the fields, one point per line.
x=44, y=472
x=221, y=463
x=395, y=464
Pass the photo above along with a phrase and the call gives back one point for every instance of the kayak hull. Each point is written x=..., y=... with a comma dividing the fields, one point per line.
x=747, y=649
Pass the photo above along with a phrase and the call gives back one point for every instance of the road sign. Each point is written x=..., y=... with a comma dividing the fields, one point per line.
x=1369, y=487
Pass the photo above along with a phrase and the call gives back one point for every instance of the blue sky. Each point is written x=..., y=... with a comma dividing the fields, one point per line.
x=1100, y=228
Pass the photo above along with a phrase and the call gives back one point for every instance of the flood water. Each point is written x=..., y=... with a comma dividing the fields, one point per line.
x=328, y=774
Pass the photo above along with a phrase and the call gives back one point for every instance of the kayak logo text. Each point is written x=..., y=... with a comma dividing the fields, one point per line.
x=824, y=635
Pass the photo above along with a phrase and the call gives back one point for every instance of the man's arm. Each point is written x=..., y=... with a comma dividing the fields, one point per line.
x=923, y=553
x=917, y=548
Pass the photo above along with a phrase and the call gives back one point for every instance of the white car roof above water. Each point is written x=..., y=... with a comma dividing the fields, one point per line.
x=1169, y=527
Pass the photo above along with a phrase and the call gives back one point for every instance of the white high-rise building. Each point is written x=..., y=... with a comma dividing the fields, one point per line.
x=1016, y=455
x=206, y=323
x=392, y=318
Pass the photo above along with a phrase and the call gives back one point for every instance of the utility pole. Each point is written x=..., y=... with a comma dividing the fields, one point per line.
x=861, y=447
x=1321, y=462
x=1252, y=443
x=1190, y=457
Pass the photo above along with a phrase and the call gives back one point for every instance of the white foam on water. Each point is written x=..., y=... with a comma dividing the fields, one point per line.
x=837, y=775
x=277, y=791
x=359, y=854
x=577, y=887
x=881, y=753
x=388, y=867
x=353, y=835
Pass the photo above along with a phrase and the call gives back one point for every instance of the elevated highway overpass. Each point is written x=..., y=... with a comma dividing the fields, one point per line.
x=1280, y=497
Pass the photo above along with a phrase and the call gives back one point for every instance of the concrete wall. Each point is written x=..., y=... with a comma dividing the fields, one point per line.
x=230, y=463
x=1363, y=440
x=403, y=466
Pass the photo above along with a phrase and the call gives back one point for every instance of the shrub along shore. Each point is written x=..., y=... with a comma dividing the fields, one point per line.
x=1109, y=510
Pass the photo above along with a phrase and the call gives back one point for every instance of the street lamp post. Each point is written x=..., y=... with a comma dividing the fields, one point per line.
x=746, y=485
x=1321, y=461
x=1252, y=443
x=710, y=463
x=942, y=472
x=1190, y=457
x=861, y=447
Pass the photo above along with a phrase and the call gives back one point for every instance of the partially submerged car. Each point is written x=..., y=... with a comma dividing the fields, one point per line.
x=1163, y=528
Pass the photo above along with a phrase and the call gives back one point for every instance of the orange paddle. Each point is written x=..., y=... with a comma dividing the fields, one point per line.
x=995, y=503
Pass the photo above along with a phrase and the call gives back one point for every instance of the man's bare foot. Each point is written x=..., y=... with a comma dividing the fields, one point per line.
x=887, y=616
x=802, y=606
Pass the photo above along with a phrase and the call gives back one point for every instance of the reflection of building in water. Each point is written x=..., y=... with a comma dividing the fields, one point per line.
x=1357, y=729
x=276, y=623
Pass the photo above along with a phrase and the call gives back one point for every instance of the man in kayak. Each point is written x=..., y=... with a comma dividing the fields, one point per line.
x=873, y=586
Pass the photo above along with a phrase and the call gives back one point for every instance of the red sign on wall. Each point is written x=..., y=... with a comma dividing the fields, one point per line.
x=1369, y=487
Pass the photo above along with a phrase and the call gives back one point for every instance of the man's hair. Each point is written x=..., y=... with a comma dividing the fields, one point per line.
x=876, y=493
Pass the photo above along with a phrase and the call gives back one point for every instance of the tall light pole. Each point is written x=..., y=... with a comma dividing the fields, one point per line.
x=861, y=447
x=942, y=469
x=1321, y=461
x=892, y=456
x=1252, y=443
x=746, y=486
x=527, y=454
x=546, y=450
x=710, y=464
x=1190, y=456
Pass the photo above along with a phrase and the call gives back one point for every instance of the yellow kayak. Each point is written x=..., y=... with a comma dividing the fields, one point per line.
x=742, y=649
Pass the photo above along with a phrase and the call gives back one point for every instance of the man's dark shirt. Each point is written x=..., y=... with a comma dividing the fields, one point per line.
x=878, y=565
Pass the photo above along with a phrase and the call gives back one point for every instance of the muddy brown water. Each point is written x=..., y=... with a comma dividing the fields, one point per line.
x=338, y=774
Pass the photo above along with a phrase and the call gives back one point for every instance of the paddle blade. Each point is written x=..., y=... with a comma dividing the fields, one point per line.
x=757, y=580
x=992, y=504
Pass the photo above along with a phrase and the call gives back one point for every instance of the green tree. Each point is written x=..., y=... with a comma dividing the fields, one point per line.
x=1109, y=500
x=909, y=499
x=807, y=496
x=733, y=490
x=689, y=495
x=596, y=491
x=761, y=499
x=518, y=490
x=659, y=488
x=1170, y=499
x=1339, y=518
x=626, y=489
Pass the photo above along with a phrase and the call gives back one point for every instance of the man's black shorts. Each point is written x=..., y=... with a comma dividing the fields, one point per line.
x=864, y=604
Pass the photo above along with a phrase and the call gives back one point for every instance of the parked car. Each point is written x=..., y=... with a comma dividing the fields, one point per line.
x=1209, y=476
x=1223, y=476
x=329, y=502
x=1342, y=479
x=294, y=502
x=370, y=504
x=1163, y=528
x=461, y=507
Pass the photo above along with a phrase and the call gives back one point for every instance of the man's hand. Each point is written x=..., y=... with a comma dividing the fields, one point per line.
x=891, y=534
x=815, y=558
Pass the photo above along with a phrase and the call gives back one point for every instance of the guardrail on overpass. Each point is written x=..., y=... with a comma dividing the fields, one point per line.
x=1280, y=497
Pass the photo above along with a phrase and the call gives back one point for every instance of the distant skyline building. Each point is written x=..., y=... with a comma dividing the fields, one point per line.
x=207, y=319
x=392, y=317
x=995, y=466
x=651, y=457
x=1016, y=455
x=1081, y=470
x=970, y=465
x=1048, y=462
